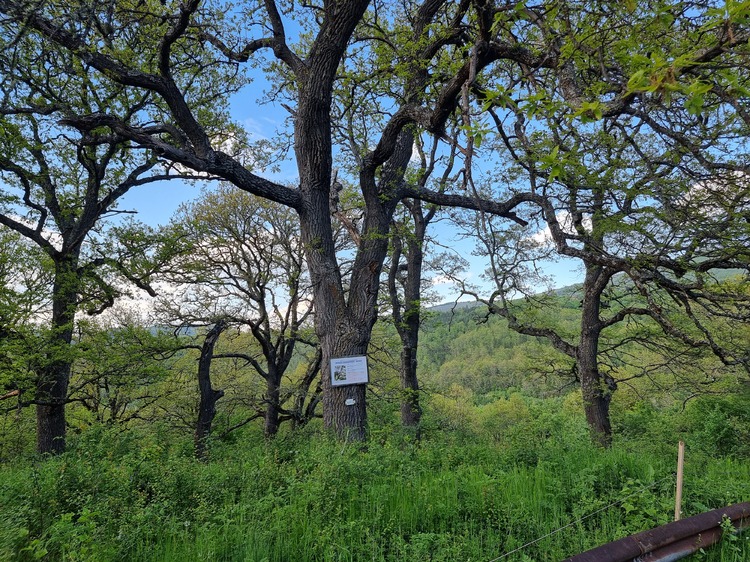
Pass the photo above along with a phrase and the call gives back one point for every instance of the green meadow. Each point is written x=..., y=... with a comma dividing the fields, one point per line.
x=538, y=490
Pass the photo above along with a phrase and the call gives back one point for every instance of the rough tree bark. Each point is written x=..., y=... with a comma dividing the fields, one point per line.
x=208, y=395
x=54, y=376
x=596, y=394
x=407, y=314
x=272, y=401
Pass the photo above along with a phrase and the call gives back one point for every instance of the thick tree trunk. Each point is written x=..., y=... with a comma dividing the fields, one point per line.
x=344, y=407
x=50, y=415
x=337, y=327
x=343, y=319
x=596, y=395
x=342, y=333
x=209, y=396
x=54, y=377
x=272, y=399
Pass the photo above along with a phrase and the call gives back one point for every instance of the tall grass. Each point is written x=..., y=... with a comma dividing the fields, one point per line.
x=304, y=497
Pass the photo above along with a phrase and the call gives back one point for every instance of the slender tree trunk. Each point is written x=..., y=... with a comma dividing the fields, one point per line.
x=209, y=396
x=406, y=317
x=54, y=377
x=306, y=401
x=411, y=411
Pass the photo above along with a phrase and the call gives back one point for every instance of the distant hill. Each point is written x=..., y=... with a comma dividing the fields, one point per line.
x=571, y=290
x=448, y=306
x=566, y=291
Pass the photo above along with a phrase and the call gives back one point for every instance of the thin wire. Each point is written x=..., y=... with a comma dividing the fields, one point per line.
x=583, y=518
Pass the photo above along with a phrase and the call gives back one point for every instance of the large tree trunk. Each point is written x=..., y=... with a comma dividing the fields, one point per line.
x=54, y=377
x=596, y=395
x=51, y=389
x=344, y=407
x=343, y=319
x=272, y=399
x=342, y=332
x=209, y=396
x=343, y=329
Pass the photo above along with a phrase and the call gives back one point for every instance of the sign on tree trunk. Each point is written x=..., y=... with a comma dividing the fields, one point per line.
x=349, y=370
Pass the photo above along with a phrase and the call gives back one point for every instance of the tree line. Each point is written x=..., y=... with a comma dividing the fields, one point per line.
x=619, y=131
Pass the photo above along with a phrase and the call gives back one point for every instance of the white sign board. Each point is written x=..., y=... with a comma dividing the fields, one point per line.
x=349, y=370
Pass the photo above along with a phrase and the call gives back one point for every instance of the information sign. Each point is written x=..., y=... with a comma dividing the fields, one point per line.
x=349, y=370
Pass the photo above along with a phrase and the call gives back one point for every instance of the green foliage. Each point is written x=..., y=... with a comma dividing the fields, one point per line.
x=720, y=425
x=138, y=495
x=119, y=385
x=481, y=354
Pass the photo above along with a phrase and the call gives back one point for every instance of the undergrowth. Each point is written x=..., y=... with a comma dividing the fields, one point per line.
x=456, y=495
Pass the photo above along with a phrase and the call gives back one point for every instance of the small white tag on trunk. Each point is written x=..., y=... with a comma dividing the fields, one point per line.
x=350, y=402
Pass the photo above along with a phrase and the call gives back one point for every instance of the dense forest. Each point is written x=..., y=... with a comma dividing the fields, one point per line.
x=177, y=389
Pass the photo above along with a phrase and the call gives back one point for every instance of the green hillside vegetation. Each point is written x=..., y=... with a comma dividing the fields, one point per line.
x=470, y=357
x=471, y=349
x=518, y=469
x=504, y=460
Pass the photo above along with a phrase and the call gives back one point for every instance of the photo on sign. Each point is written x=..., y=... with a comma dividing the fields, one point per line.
x=349, y=370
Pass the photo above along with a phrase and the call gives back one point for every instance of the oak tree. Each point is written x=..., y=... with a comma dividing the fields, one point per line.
x=175, y=51
x=616, y=148
x=241, y=265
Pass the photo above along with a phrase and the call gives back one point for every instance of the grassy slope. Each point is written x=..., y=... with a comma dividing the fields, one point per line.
x=459, y=495
x=504, y=461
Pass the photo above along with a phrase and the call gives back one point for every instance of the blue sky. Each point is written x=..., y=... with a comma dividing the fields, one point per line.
x=157, y=203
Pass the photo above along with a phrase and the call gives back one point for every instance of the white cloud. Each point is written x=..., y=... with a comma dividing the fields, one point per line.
x=257, y=129
x=711, y=198
x=52, y=236
x=543, y=237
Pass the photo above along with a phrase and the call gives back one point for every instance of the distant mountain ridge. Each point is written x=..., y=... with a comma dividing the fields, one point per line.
x=570, y=290
x=565, y=291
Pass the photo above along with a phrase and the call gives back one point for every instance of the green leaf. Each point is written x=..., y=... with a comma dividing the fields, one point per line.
x=694, y=104
x=638, y=81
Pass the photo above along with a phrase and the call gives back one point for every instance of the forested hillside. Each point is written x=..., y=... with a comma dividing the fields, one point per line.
x=474, y=367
